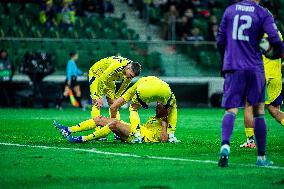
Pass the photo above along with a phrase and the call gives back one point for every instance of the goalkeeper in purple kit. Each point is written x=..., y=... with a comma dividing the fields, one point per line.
x=241, y=29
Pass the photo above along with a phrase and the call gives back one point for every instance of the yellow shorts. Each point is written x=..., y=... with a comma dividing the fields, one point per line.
x=274, y=88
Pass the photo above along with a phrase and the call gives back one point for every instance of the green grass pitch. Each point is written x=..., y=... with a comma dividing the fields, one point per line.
x=112, y=164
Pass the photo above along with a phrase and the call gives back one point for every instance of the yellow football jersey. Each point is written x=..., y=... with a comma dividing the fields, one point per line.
x=150, y=131
x=272, y=67
x=104, y=73
x=151, y=89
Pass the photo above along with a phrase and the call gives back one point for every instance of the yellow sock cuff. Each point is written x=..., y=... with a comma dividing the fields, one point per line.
x=83, y=126
x=249, y=132
x=101, y=133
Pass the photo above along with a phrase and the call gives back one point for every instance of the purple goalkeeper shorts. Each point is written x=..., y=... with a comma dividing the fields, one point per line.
x=242, y=86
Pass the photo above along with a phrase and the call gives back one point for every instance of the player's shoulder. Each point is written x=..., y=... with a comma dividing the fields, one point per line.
x=263, y=11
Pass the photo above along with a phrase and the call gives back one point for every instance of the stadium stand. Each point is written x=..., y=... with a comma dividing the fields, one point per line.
x=95, y=32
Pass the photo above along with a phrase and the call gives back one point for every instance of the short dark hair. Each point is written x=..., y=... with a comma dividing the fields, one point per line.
x=73, y=53
x=136, y=68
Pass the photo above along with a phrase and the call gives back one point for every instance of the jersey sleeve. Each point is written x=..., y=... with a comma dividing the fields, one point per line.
x=221, y=36
x=270, y=27
x=125, y=83
x=128, y=95
x=106, y=79
x=70, y=69
x=79, y=72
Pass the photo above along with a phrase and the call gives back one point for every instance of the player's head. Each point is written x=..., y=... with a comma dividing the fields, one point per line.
x=161, y=110
x=74, y=55
x=132, y=70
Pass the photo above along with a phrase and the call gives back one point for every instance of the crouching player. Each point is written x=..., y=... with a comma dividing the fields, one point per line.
x=144, y=91
x=154, y=130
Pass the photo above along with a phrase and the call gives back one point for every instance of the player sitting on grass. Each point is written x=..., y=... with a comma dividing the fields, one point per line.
x=144, y=91
x=102, y=77
x=274, y=87
x=154, y=130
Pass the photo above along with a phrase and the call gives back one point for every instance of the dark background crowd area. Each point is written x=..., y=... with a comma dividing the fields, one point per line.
x=194, y=20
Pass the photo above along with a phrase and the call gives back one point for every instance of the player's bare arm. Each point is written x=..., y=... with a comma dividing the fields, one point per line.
x=115, y=106
x=97, y=102
x=164, y=135
x=121, y=129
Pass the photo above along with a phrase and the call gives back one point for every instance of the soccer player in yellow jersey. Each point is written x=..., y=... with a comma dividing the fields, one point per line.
x=102, y=77
x=144, y=91
x=154, y=130
x=274, y=98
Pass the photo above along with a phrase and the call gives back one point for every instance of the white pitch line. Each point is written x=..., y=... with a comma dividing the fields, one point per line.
x=133, y=155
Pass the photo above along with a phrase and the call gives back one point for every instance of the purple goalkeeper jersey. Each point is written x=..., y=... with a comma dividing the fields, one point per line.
x=241, y=29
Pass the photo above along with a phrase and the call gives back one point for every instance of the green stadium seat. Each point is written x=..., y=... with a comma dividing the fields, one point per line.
x=97, y=55
x=202, y=25
x=2, y=32
x=70, y=33
x=85, y=59
x=209, y=60
x=279, y=3
x=155, y=14
x=89, y=46
x=70, y=46
x=89, y=33
x=14, y=8
x=2, y=10
x=95, y=22
x=6, y=22
x=31, y=10
x=51, y=33
x=154, y=61
x=18, y=56
x=23, y=21
x=281, y=14
x=51, y=46
x=110, y=34
x=33, y=45
x=107, y=47
x=4, y=44
x=34, y=32
x=138, y=58
x=218, y=13
x=61, y=57
x=123, y=48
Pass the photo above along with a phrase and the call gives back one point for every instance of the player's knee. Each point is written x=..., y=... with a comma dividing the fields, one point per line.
x=233, y=111
x=100, y=120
